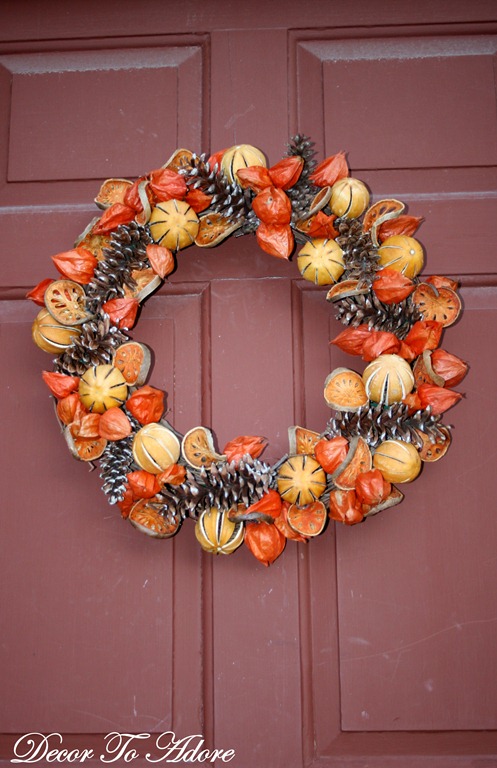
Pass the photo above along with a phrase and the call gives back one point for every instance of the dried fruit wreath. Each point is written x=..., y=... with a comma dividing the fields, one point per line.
x=387, y=420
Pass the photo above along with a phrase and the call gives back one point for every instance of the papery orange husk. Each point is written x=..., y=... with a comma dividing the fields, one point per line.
x=114, y=424
x=216, y=158
x=127, y=502
x=286, y=172
x=146, y=404
x=322, y=226
x=66, y=408
x=265, y=541
x=371, y=487
x=281, y=522
x=122, y=312
x=275, y=240
x=117, y=214
x=78, y=264
x=332, y=169
x=345, y=507
x=255, y=177
x=439, y=281
x=402, y=225
x=379, y=343
x=173, y=475
x=161, y=260
x=438, y=398
x=331, y=453
x=269, y=504
x=413, y=402
x=60, y=384
x=198, y=200
x=243, y=445
x=167, y=185
x=351, y=340
x=272, y=206
x=86, y=425
x=132, y=196
x=392, y=287
x=37, y=294
x=450, y=367
x=425, y=334
x=143, y=484
x=406, y=352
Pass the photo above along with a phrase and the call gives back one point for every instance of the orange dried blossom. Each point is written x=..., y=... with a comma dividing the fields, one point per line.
x=371, y=487
x=146, y=404
x=132, y=196
x=114, y=424
x=265, y=541
x=379, y=343
x=351, y=340
x=406, y=352
x=438, y=398
x=118, y=213
x=37, y=294
x=332, y=169
x=281, y=522
x=173, y=475
x=272, y=206
x=345, y=507
x=60, y=384
x=216, y=158
x=161, y=260
x=239, y=447
x=425, y=334
x=275, y=239
x=269, y=504
x=391, y=286
x=66, y=408
x=77, y=264
x=122, y=312
x=143, y=484
x=450, y=367
x=331, y=453
x=402, y=225
x=167, y=184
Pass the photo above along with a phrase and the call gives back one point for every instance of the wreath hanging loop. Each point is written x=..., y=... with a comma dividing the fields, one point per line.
x=387, y=420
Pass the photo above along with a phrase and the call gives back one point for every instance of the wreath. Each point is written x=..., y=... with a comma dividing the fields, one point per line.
x=386, y=422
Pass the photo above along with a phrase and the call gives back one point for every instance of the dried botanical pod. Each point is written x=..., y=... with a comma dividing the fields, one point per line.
x=394, y=498
x=114, y=424
x=77, y=264
x=388, y=379
x=391, y=286
x=399, y=462
x=59, y=384
x=423, y=371
x=37, y=294
x=217, y=534
x=330, y=170
x=197, y=448
x=331, y=453
x=402, y=225
x=448, y=367
x=372, y=488
x=245, y=445
x=272, y=206
x=349, y=198
x=321, y=261
x=351, y=340
x=275, y=239
x=402, y=253
x=345, y=507
x=358, y=460
x=265, y=541
x=118, y=213
x=167, y=184
x=122, y=312
x=143, y=484
x=174, y=224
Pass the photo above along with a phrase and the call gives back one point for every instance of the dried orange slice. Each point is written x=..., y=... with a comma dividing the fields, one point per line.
x=392, y=500
x=344, y=390
x=302, y=440
x=440, y=304
x=174, y=224
x=147, y=281
x=133, y=359
x=112, y=191
x=433, y=451
x=102, y=387
x=346, y=288
x=319, y=201
x=309, y=520
x=214, y=228
x=65, y=300
x=145, y=516
x=301, y=480
x=423, y=371
x=383, y=210
x=93, y=243
x=86, y=449
x=179, y=160
x=358, y=460
x=197, y=448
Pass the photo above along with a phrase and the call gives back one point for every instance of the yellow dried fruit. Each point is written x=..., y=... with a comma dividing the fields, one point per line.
x=155, y=448
x=349, y=198
x=241, y=156
x=102, y=387
x=388, y=379
x=398, y=462
x=51, y=336
x=402, y=253
x=217, y=534
x=174, y=224
x=321, y=261
x=301, y=480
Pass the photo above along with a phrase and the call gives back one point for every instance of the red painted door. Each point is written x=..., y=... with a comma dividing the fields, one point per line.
x=373, y=645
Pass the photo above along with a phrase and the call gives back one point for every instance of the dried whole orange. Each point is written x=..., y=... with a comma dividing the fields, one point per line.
x=102, y=387
x=344, y=390
x=145, y=515
x=217, y=534
x=50, y=335
x=66, y=300
x=133, y=359
x=241, y=156
x=155, y=448
x=174, y=224
x=388, y=379
x=309, y=520
x=440, y=304
x=349, y=198
x=358, y=460
x=197, y=448
x=402, y=253
x=321, y=261
x=399, y=462
x=301, y=480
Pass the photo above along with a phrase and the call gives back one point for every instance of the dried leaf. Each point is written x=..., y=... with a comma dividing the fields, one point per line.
x=146, y=404
x=275, y=240
x=241, y=446
x=67, y=407
x=332, y=169
x=351, y=340
x=255, y=177
x=143, y=484
x=392, y=287
x=425, y=334
x=272, y=206
x=371, y=487
x=379, y=343
x=331, y=453
x=114, y=424
x=287, y=172
x=77, y=264
x=450, y=367
x=167, y=185
x=60, y=384
x=117, y=214
x=345, y=507
x=161, y=260
x=269, y=504
x=439, y=281
x=439, y=399
x=173, y=475
x=265, y=541
x=122, y=312
x=37, y=294
x=402, y=225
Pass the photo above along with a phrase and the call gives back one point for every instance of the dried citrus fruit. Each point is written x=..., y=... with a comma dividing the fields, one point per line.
x=346, y=288
x=65, y=300
x=378, y=213
x=146, y=517
x=174, y=224
x=402, y=253
x=155, y=448
x=51, y=336
x=321, y=261
x=197, y=448
x=86, y=449
x=302, y=440
x=423, y=371
x=102, y=387
x=133, y=360
x=301, y=480
x=398, y=462
x=394, y=498
x=440, y=304
x=214, y=228
x=319, y=201
x=146, y=282
x=179, y=160
x=309, y=520
x=434, y=450
x=358, y=460
x=344, y=390
x=388, y=379
x=112, y=191
x=240, y=156
x=349, y=198
x=217, y=534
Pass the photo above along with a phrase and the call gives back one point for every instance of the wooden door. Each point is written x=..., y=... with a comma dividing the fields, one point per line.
x=373, y=645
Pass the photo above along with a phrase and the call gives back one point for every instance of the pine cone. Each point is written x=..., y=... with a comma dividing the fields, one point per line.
x=368, y=309
x=116, y=462
x=360, y=255
x=95, y=346
x=303, y=192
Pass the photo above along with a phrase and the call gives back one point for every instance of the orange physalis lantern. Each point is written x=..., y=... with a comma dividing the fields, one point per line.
x=143, y=484
x=78, y=264
x=275, y=239
x=265, y=541
x=122, y=312
x=117, y=214
x=60, y=384
x=146, y=404
x=37, y=294
x=161, y=260
x=391, y=286
x=450, y=367
x=331, y=453
x=245, y=445
x=114, y=424
x=331, y=170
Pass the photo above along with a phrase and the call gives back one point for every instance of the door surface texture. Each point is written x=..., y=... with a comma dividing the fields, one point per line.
x=373, y=645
